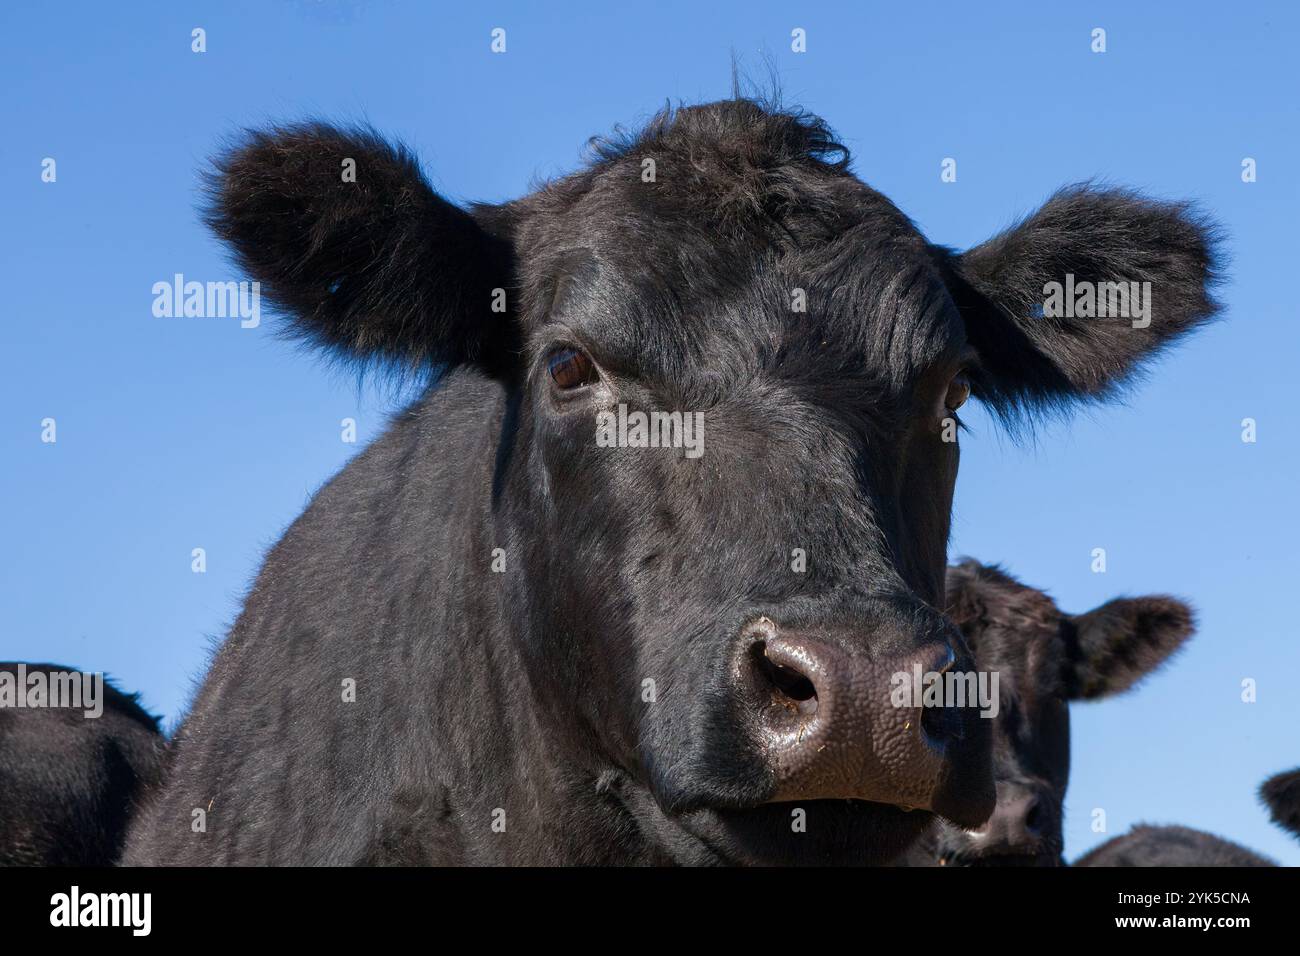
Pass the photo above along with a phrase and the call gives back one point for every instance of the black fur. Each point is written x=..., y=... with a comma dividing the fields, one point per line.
x=1281, y=794
x=69, y=783
x=1146, y=845
x=1112, y=647
x=380, y=267
x=522, y=691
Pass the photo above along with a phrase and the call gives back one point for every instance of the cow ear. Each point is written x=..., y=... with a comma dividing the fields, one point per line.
x=1281, y=794
x=1036, y=342
x=1110, y=648
x=346, y=238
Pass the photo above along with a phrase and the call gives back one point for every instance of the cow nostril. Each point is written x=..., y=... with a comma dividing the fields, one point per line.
x=940, y=725
x=790, y=687
x=1034, y=818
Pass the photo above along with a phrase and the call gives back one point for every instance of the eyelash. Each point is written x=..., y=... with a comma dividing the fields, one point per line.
x=961, y=378
x=571, y=369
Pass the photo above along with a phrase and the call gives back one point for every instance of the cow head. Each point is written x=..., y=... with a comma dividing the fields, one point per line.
x=1045, y=658
x=710, y=628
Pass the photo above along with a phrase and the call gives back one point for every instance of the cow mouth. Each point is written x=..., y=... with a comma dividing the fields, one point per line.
x=867, y=833
x=852, y=832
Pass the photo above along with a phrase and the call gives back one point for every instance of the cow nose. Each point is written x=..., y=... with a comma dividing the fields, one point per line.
x=1017, y=820
x=834, y=729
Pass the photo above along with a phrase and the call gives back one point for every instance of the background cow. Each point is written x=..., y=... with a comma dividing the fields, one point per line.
x=1147, y=845
x=1045, y=658
x=68, y=782
x=491, y=640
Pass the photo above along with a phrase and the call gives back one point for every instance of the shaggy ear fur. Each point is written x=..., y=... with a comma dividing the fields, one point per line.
x=1115, y=645
x=1097, y=236
x=1281, y=794
x=380, y=267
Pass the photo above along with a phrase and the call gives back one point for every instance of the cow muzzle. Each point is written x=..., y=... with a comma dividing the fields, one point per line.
x=839, y=722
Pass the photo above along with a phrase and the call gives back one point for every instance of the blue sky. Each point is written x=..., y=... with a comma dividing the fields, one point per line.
x=183, y=433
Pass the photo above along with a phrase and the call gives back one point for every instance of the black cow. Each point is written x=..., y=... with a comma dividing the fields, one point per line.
x=569, y=645
x=1147, y=845
x=1044, y=658
x=69, y=781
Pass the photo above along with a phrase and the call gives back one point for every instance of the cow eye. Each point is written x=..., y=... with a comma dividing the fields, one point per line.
x=958, y=392
x=572, y=369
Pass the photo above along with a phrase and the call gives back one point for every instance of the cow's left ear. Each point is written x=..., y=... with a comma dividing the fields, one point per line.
x=1112, y=647
x=1030, y=297
x=348, y=239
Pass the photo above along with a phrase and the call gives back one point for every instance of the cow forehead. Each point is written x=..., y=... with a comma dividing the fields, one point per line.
x=884, y=331
x=1029, y=651
x=655, y=302
x=723, y=239
x=1018, y=629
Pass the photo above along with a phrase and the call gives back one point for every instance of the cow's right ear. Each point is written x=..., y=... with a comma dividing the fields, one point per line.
x=347, y=238
x=1112, y=647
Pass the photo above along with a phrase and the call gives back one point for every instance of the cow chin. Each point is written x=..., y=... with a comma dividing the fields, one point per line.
x=807, y=833
x=839, y=833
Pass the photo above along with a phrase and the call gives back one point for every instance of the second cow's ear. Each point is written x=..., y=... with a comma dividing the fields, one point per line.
x=347, y=238
x=1025, y=295
x=1110, y=648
